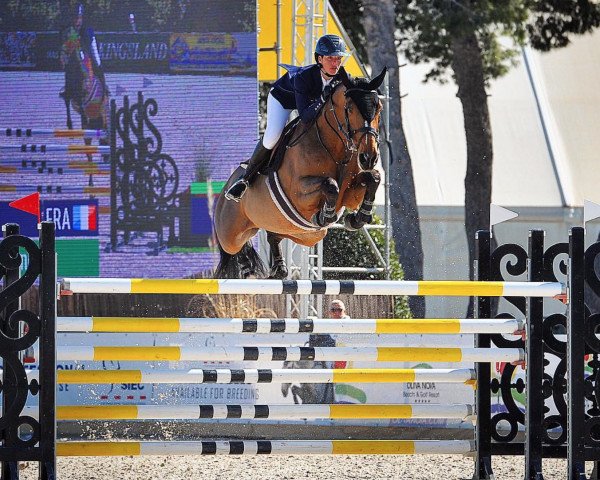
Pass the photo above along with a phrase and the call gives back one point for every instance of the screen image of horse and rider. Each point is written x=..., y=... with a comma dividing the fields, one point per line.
x=196, y=60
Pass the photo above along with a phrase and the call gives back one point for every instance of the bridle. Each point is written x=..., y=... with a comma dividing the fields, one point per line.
x=346, y=133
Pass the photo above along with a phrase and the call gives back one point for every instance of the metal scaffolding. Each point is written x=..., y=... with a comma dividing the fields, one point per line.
x=309, y=23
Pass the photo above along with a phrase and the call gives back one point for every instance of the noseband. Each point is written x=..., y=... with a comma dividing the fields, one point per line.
x=348, y=133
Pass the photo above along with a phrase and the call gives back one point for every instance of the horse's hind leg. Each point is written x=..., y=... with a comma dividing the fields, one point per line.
x=356, y=220
x=278, y=267
x=244, y=264
x=246, y=270
x=327, y=214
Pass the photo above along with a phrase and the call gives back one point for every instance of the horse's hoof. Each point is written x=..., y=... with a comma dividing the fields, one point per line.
x=351, y=224
x=355, y=221
x=279, y=272
x=366, y=219
x=246, y=273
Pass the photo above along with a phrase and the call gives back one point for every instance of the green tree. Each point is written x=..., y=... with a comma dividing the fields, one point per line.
x=342, y=248
x=462, y=40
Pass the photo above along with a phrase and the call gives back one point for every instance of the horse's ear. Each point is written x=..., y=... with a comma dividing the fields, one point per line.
x=343, y=75
x=378, y=80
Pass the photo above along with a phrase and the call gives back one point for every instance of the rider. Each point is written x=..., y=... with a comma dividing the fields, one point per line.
x=80, y=32
x=305, y=89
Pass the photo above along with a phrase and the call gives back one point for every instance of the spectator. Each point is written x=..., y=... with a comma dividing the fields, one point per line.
x=337, y=309
x=317, y=393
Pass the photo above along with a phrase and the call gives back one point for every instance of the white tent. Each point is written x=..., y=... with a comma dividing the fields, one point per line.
x=544, y=116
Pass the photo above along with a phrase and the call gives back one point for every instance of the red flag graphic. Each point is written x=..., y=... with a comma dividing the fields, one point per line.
x=29, y=204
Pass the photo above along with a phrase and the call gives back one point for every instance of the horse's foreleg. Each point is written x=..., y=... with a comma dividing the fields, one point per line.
x=369, y=179
x=327, y=214
x=278, y=267
x=68, y=107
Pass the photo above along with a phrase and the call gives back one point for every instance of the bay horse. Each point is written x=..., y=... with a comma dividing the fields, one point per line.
x=327, y=167
x=83, y=91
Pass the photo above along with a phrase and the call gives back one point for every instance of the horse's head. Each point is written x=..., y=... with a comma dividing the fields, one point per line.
x=357, y=108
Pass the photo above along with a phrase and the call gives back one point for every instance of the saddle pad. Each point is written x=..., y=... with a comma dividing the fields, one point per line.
x=284, y=205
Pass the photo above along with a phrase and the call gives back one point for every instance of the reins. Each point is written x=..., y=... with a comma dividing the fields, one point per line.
x=344, y=133
x=350, y=147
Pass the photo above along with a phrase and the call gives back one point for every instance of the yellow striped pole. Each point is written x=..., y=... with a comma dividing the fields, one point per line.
x=69, y=149
x=54, y=132
x=88, y=149
x=294, y=354
x=384, y=326
x=250, y=411
x=251, y=376
x=268, y=447
x=310, y=287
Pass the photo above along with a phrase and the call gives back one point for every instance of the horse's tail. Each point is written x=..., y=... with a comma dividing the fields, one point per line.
x=243, y=264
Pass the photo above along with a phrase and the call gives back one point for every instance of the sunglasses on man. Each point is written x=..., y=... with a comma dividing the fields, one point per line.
x=335, y=309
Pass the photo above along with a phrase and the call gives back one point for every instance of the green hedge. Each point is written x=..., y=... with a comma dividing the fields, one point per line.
x=342, y=248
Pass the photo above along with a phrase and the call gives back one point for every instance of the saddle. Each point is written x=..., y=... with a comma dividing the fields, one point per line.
x=279, y=151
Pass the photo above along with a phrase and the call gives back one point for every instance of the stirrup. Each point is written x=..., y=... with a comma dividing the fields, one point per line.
x=237, y=198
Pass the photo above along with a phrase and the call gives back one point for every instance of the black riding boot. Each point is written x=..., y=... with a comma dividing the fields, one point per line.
x=259, y=159
x=100, y=75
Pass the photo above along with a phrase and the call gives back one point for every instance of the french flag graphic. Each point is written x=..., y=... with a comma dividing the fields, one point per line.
x=85, y=217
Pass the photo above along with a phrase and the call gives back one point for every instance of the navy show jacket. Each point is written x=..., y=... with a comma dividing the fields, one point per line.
x=300, y=88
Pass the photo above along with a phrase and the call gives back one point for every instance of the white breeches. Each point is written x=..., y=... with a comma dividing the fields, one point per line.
x=277, y=117
x=95, y=51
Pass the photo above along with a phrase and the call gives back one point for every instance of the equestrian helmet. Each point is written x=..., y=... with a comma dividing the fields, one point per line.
x=330, y=46
x=76, y=10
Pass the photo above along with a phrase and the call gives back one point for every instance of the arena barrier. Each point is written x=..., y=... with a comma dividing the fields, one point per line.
x=490, y=439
